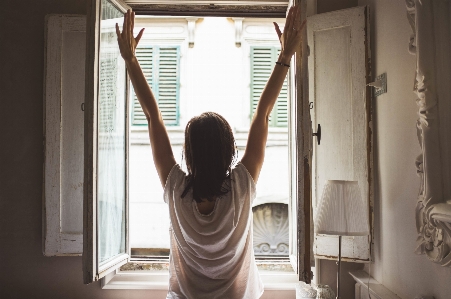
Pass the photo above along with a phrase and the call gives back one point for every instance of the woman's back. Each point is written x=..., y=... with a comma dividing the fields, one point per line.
x=205, y=206
x=212, y=254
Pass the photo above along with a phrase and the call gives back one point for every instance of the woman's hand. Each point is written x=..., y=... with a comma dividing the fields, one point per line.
x=127, y=43
x=290, y=39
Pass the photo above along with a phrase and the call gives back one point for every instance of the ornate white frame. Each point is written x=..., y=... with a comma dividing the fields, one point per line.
x=431, y=43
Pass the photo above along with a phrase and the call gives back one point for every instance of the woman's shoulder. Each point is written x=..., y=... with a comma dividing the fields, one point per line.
x=174, y=182
x=175, y=175
x=243, y=185
x=240, y=172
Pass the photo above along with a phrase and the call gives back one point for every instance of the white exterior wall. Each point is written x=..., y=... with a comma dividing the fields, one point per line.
x=214, y=76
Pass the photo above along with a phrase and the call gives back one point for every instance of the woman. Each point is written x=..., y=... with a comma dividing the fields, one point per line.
x=210, y=208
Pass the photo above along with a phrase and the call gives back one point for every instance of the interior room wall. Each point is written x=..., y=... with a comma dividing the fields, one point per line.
x=323, y=6
x=396, y=146
x=25, y=272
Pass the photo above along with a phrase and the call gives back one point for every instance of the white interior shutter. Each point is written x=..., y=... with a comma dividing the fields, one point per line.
x=338, y=68
x=64, y=95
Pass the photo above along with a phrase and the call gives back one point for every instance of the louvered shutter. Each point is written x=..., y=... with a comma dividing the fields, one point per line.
x=145, y=57
x=168, y=84
x=281, y=107
x=160, y=66
x=262, y=64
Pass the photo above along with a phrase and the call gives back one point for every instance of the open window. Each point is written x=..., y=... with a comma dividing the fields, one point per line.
x=105, y=219
x=106, y=208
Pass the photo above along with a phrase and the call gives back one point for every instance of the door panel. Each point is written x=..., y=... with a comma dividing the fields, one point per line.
x=338, y=76
x=64, y=91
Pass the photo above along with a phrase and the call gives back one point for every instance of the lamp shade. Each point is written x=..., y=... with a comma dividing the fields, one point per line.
x=341, y=210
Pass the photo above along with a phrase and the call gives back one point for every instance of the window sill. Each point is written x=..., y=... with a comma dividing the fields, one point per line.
x=281, y=130
x=169, y=129
x=148, y=280
x=180, y=129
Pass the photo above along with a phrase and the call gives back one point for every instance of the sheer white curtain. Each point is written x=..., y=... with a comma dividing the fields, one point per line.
x=111, y=178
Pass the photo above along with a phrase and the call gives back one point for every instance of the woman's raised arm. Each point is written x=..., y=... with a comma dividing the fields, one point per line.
x=290, y=41
x=159, y=139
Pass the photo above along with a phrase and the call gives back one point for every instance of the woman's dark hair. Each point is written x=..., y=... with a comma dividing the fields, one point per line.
x=210, y=152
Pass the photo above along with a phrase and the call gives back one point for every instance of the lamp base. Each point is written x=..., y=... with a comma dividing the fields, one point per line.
x=338, y=268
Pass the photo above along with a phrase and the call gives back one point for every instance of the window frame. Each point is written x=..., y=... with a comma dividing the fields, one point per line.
x=147, y=280
x=264, y=37
x=92, y=270
x=300, y=149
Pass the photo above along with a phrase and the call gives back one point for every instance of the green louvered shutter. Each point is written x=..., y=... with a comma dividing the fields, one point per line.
x=160, y=66
x=168, y=84
x=262, y=64
x=145, y=57
x=281, y=107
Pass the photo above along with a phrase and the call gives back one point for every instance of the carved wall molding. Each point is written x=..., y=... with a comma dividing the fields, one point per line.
x=191, y=28
x=431, y=43
x=238, y=31
x=271, y=234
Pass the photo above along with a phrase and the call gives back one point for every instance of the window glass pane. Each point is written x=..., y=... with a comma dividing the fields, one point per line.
x=111, y=138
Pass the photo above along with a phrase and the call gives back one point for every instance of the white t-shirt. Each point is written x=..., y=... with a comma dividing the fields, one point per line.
x=212, y=255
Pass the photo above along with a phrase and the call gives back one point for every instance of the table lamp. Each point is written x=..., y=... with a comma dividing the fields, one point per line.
x=342, y=212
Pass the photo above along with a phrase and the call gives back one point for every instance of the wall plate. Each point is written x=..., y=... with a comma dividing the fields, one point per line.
x=383, y=89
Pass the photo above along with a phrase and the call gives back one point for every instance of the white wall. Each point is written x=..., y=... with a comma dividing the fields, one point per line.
x=396, y=147
x=216, y=72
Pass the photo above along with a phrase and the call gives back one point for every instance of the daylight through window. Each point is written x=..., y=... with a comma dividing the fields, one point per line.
x=213, y=74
